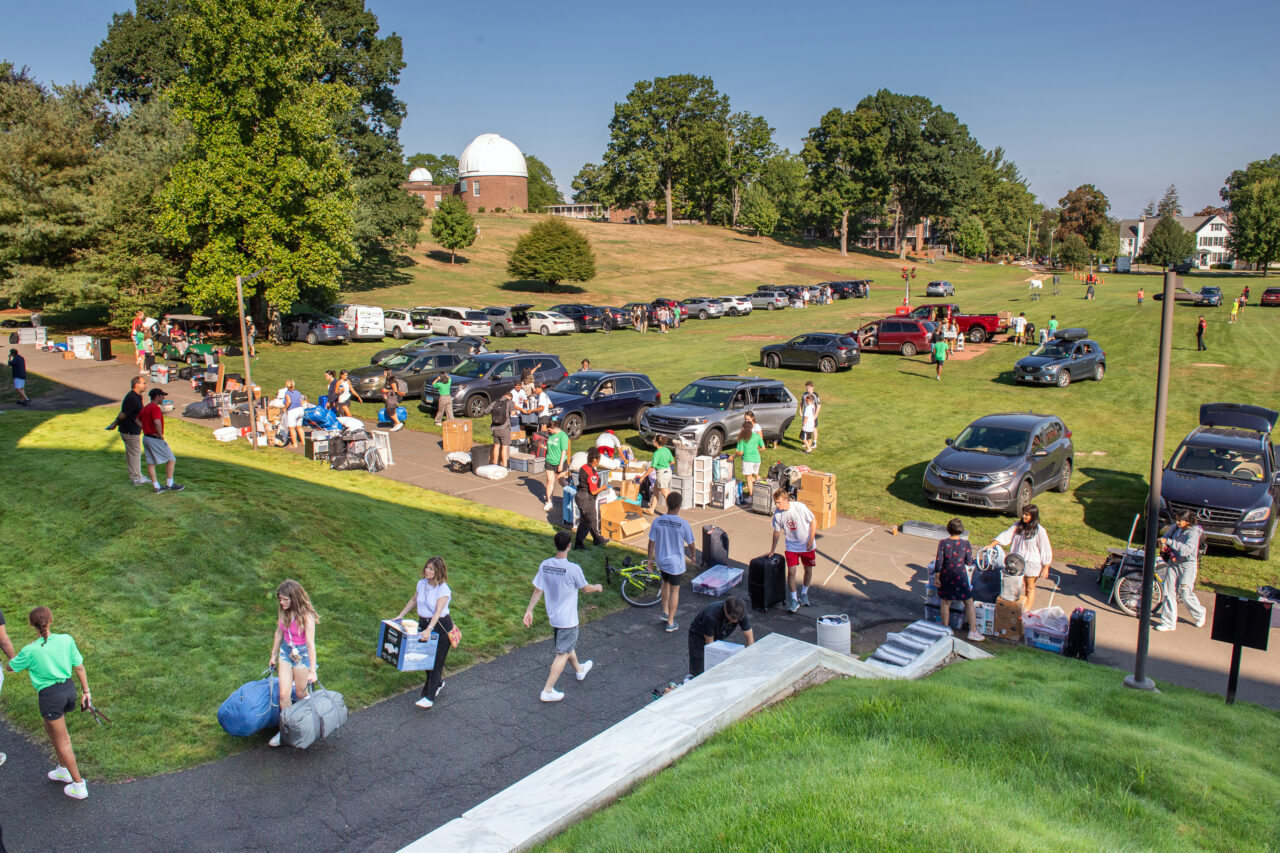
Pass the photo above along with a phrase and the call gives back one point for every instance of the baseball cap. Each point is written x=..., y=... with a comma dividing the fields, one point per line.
x=158, y=392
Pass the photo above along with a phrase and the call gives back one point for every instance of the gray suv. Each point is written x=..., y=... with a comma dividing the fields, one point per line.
x=709, y=411
x=703, y=307
x=489, y=375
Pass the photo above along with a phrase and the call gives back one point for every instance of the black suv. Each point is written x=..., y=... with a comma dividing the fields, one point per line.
x=1227, y=473
x=594, y=399
x=826, y=351
x=489, y=375
x=585, y=317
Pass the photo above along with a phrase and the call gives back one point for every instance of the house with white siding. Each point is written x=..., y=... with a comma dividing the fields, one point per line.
x=1210, y=232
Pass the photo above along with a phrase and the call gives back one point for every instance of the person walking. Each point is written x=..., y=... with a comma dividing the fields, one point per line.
x=670, y=546
x=1235, y=311
x=716, y=621
x=1020, y=329
x=18, y=365
x=810, y=388
x=6, y=646
x=331, y=390
x=808, y=421
x=432, y=600
x=50, y=662
x=1052, y=327
x=750, y=443
x=1201, y=325
x=293, y=651
x=251, y=334
x=556, y=466
x=499, y=412
x=154, y=447
x=1180, y=546
x=139, y=350
x=794, y=521
x=345, y=392
x=560, y=581
x=443, y=387
x=663, y=460
x=939, y=346
x=590, y=484
x=294, y=407
x=1140, y=294
x=126, y=423
x=394, y=390
x=1028, y=540
x=949, y=564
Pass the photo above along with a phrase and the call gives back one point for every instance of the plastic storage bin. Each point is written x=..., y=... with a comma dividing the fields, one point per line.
x=717, y=580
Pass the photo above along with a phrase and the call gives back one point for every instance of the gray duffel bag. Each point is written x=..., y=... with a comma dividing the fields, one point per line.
x=318, y=716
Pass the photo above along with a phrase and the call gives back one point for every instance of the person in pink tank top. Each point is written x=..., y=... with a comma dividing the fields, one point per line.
x=294, y=647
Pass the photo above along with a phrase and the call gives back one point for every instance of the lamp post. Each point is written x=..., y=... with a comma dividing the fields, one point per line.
x=244, y=350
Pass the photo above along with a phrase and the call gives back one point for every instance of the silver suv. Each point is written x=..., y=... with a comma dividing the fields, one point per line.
x=709, y=411
x=703, y=307
x=770, y=300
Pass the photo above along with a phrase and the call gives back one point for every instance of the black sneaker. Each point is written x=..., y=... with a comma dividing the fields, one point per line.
x=159, y=489
x=176, y=487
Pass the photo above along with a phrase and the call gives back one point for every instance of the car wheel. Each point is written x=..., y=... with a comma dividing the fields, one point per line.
x=772, y=361
x=1064, y=479
x=474, y=406
x=908, y=349
x=977, y=335
x=572, y=425
x=733, y=312
x=712, y=443
x=640, y=414
x=312, y=339
x=1098, y=372
x=544, y=330
x=702, y=315
x=453, y=332
x=827, y=364
x=771, y=306
x=1023, y=497
x=193, y=360
x=499, y=331
x=1064, y=378
x=397, y=333
x=1263, y=553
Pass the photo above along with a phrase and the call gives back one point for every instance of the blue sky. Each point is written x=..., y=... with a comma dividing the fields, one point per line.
x=1130, y=97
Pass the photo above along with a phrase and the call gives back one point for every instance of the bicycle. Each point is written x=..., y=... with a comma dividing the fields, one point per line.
x=1126, y=591
x=641, y=585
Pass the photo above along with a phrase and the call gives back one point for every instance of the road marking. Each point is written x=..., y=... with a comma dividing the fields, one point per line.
x=840, y=562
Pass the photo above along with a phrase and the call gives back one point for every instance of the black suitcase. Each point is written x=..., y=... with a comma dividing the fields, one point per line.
x=715, y=546
x=985, y=585
x=1080, y=634
x=767, y=581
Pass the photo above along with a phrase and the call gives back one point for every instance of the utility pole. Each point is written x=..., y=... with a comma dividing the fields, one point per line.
x=244, y=350
x=1028, y=254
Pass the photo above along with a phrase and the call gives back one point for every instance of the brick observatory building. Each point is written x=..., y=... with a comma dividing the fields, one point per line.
x=491, y=174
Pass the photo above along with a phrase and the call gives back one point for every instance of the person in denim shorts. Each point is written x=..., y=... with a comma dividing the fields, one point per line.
x=294, y=649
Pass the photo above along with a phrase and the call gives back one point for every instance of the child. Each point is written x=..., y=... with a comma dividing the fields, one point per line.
x=559, y=579
x=808, y=421
x=939, y=355
x=954, y=554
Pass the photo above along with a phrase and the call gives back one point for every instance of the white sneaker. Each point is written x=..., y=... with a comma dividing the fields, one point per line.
x=60, y=774
x=586, y=667
x=547, y=506
x=397, y=427
x=1162, y=628
x=3, y=758
x=551, y=695
x=424, y=702
x=275, y=741
x=1200, y=621
x=76, y=790
x=141, y=481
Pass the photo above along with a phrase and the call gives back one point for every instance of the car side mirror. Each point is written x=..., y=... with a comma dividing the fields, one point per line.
x=1039, y=454
x=1074, y=356
x=949, y=442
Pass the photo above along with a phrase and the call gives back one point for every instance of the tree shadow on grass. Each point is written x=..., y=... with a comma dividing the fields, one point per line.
x=1110, y=498
x=380, y=270
x=441, y=256
x=530, y=286
x=906, y=486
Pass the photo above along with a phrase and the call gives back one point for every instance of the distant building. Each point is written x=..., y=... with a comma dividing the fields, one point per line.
x=1210, y=232
x=917, y=238
x=491, y=174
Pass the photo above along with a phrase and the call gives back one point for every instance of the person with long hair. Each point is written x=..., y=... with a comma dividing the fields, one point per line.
x=294, y=647
x=1028, y=539
x=50, y=662
x=346, y=390
x=432, y=600
x=750, y=443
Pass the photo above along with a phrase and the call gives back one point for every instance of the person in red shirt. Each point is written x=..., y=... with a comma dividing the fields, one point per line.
x=154, y=448
x=590, y=484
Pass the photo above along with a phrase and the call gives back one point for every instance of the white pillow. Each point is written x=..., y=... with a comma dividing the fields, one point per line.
x=491, y=472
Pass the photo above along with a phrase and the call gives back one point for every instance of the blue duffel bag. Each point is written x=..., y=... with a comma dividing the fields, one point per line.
x=318, y=417
x=252, y=707
x=401, y=412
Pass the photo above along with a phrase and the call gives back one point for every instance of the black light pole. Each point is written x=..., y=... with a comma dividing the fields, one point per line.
x=1139, y=680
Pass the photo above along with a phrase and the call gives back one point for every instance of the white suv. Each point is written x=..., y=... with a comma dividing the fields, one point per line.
x=458, y=322
x=735, y=305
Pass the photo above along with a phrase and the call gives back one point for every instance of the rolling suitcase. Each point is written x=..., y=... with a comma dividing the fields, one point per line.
x=1080, y=634
x=715, y=546
x=569, y=499
x=767, y=581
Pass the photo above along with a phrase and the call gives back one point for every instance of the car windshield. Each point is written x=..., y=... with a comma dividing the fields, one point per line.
x=1000, y=441
x=472, y=368
x=1224, y=462
x=578, y=386
x=1054, y=349
x=707, y=396
x=397, y=361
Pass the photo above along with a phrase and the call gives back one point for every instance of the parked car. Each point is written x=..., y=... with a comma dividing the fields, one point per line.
x=458, y=321
x=509, y=320
x=402, y=323
x=314, y=328
x=702, y=307
x=186, y=340
x=673, y=305
x=905, y=335
x=1191, y=297
x=770, y=300
x=709, y=411
x=596, y=399
x=1227, y=472
x=939, y=288
x=415, y=369
x=365, y=322
x=822, y=350
x=1270, y=296
x=855, y=289
x=735, y=306
x=1002, y=462
x=487, y=376
x=469, y=345
x=976, y=327
x=551, y=323
x=1211, y=296
x=582, y=316
x=1104, y=268
x=1069, y=356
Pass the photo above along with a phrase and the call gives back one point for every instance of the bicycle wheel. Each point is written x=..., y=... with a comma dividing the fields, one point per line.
x=1129, y=594
x=642, y=588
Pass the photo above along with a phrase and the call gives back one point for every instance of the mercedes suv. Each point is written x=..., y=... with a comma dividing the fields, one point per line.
x=1227, y=473
x=709, y=412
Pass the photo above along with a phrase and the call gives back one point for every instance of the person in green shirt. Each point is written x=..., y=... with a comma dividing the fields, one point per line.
x=749, y=446
x=939, y=354
x=49, y=662
x=1053, y=325
x=662, y=461
x=444, y=398
x=557, y=463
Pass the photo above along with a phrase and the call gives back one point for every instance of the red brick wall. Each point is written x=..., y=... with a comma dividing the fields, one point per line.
x=504, y=191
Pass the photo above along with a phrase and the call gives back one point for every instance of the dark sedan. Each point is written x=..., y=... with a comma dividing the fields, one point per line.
x=416, y=370
x=595, y=399
x=1207, y=296
x=585, y=317
x=857, y=289
x=1061, y=361
x=468, y=345
x=821, y=350
x=314, y=329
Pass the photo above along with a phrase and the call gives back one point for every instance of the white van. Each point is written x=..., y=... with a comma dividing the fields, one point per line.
x=364, y=321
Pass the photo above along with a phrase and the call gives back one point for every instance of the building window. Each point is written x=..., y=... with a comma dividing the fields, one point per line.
x=475, y=188
x=439, y=199
x=464, y=186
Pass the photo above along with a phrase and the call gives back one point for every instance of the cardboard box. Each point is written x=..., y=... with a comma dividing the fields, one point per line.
x=635, y=468
x=68, y=354
x=826, y=518
x=619, y=521
x=1008, y=621
x=406, y=652
x=720, y=651
x=817, y=482
x=457, y=436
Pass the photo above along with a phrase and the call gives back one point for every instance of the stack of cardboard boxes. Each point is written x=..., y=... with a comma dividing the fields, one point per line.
x=818, y=493
x=457, y=436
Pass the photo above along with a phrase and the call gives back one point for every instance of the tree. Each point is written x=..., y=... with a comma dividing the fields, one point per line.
x=652, y=134
x=552, y=251
x=141, y=54
x=1107, y=245
x=453, y=227
x=970, y=236
x=758, y=211
x=1073, y=252
x=845, y=156
x=443, y=167
x=1169, y=204
x=1084, y=212
x=542, y=185
x=265, y=184
x=1168, y=243
x=749, y=146
x=1211, y=210
x=1150, y=209
x=783, y=179
x=1000, y=200
x=1252, y=195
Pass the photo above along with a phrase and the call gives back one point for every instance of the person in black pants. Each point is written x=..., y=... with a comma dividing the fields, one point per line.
x=432, y=600
x=716, y=622
x=1200, y=327
x=590, y=484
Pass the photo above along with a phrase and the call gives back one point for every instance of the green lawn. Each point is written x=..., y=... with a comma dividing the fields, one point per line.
x=170, y=597
x=1026, y=751
x=36, y=386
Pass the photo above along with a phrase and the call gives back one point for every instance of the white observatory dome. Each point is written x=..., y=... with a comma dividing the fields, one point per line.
x=420, y=174
x=490, y=154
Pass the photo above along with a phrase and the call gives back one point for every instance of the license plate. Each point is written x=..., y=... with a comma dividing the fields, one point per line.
x=960, y=496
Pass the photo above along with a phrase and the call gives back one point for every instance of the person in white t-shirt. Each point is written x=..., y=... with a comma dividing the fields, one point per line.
x=808, y=421
x=608, y=444
x=793, y=520
x=539, y=407
x=670, y=545
x=519, y=399
x=432, y=600
x=559, y=580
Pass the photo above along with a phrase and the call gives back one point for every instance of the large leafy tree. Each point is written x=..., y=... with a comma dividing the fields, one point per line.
x=1083, y=211
x=1252, y=195
x=759, y=212
x=542, y=185
x=970, y=236
x=848, y=174
x=552, y=251
x=1001, y=201
x=453, y=226
x=1073, y=252
x=749, y=145
x=1168, y=243
x=142, y=53
x=265, y=183
x=783, y=177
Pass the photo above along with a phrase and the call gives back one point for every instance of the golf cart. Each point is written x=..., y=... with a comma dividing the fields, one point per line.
x=184, y=338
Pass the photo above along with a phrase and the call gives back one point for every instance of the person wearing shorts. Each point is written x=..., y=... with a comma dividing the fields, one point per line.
x=662, y=461
x=794, y=521
x=750, y=443
x=293, y=650
x=50, y=662
x=670, y=546
x=559, y=580
x=809, y=388
x=393, y=391
x=18, y=365
x=155, y=450
x=499, y=412
x=557, y=463
x=345, y=392
x=293, y=410
x=808, y=421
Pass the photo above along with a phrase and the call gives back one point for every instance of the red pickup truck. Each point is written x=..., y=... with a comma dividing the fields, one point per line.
x=976, y=327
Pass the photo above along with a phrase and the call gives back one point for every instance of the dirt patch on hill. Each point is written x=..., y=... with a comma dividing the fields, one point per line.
x=755, y=338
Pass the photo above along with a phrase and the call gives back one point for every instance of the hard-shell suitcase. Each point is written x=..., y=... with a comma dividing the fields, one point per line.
x=715, y=546
x=318, y=716
x=569, y=515
x=767, y=581
x=762, y=496
x=1080, y=634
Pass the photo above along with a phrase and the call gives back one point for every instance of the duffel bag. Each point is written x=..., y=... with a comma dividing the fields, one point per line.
x=254, y=706
x=319, y=417
x=318, y=716
x=200, y=409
